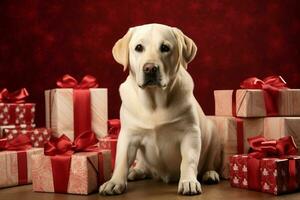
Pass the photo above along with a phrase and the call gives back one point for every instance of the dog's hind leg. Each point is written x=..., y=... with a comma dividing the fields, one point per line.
x=139, y=171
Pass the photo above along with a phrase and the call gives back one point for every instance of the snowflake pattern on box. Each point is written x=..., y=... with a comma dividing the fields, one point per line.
x=38, y=136
x=11, y=113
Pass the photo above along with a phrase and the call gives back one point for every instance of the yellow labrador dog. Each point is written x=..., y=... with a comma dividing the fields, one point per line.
x=163, y=126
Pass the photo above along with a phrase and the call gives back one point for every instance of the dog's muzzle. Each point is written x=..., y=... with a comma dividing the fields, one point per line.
x=151, y=75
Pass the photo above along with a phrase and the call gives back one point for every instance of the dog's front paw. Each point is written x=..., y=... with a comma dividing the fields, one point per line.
x=189, y=187
x=112, y=188
x=211, y=177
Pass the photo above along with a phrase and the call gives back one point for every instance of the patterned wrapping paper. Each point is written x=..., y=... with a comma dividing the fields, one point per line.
x=273, y=174
x=38, y=136
x=250, y=103
x=83, y=178
x=17, y=113
x=277, y=127
x=9, y=167
x=21, y=126
x=59, y=111
x=227, y=130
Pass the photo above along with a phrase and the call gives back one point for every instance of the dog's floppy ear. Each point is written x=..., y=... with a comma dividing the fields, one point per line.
x=120, y=50
x=187, y=47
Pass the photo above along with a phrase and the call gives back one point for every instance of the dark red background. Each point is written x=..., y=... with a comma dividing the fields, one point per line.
x=42, y=40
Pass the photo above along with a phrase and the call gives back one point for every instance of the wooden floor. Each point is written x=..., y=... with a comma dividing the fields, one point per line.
x=149, y=189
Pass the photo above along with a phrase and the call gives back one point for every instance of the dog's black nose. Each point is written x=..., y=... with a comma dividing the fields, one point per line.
x=150, y=68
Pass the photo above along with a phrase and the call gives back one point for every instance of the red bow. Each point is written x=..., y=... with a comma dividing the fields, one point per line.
x=68, y=81
x=13, y=97
x=261, y=147
x=21, y=142
x=85, y=142
x=114, y=126
x=271, y=86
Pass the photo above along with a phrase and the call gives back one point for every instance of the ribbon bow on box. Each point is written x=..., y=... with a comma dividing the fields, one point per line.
x=13, y=97
x=262, y=148
x=68, y=81
x=270, y=85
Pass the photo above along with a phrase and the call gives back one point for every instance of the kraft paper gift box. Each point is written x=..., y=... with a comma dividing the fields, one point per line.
x=15, y=161
x=21, y=127
x=251, y=103
x=38, y=136
x=234, y=133
x=277, y=127
x=272, y=176
x=87, y=171
x=62, y=114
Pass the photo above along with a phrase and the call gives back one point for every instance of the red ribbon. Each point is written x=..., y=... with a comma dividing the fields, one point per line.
x=81, y=100
x=262, y=148
x=20, y=144
x=271, y=86
x=13, y=97
x=114, y=127
x=61, y=149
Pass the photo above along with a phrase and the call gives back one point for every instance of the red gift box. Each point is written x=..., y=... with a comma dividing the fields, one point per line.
x=38, y=136
x=262, y=171
x=14, y=110
x=4, y=129
x=110, y=142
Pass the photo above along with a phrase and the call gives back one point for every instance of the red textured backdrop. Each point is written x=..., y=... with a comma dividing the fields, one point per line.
x=42, y=40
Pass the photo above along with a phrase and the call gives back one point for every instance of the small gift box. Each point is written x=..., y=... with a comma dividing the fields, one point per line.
x=38, y=136
x=258, y=98
x=269, y=168
x=4, y=129
x=77, y=167
x=234, y=133
x=76, y=107
x=110, y=142
x=14, y=110
x=15, y=161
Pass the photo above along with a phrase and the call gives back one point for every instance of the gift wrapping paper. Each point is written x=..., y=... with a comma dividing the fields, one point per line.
x=21, y=126
x=277, y=127
x=60, y=112
x=17, y=113
x=227, y=130
x=251, y=103
x=9, y=167
x=273, y=174
x=38, y=136
x=83, y=177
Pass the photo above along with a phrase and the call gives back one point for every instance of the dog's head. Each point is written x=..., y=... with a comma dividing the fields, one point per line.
x=154, y=53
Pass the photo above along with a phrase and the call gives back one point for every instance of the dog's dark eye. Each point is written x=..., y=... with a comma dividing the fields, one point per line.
x=164, y=48
x=139, y=48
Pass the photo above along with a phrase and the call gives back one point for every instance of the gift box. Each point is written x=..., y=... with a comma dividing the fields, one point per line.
x=83, y=177
x=277, y=127
x=15, y=162
x=76, y=107
x=265, y=171
x=21, y=127
x=14, y=110
x=258, y=100
x=77, y=167
x=234, y=133
x=38, y=136
x=110, y=141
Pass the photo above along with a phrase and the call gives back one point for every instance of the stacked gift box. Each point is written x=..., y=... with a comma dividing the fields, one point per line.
x=261, y=108
x=73, y=161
